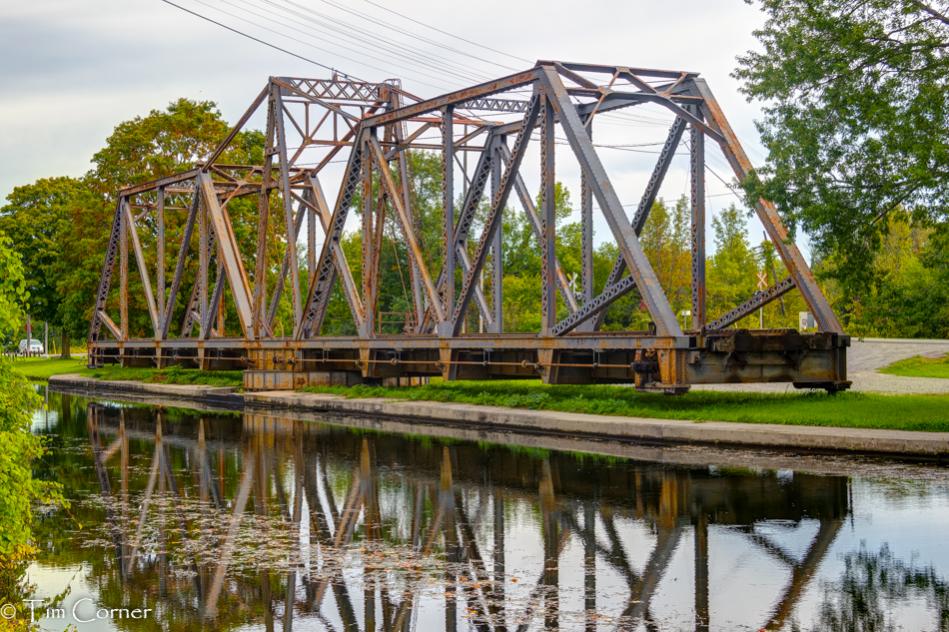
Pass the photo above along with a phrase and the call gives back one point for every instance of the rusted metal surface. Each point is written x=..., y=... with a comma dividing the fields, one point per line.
x=281, y=299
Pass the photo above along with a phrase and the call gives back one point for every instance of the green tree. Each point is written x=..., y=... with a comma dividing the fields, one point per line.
x=165, y=142
x=61, y=224
x=20, y=448
x=666, y=240
x=522, y=261
x=856, y=123
x=732, y=270
x=13, y=289
x=783, y=312
x=908, y=295
x=39, y=219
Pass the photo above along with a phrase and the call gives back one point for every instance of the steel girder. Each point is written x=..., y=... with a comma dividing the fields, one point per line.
x=315, y=123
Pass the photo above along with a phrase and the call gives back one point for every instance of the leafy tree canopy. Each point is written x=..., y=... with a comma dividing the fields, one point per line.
x=166, y=142
x=13, y=292
x=60, y=225
x=856, y=118
x=38, y=220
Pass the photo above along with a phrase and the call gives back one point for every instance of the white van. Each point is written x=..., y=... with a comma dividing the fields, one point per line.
x=30, y=347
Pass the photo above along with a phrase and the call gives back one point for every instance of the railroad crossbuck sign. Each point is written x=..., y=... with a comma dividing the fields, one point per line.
x=217, y=305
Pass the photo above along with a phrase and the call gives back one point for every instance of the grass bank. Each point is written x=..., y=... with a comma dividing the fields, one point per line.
x=854, y=410
x=171, y=375
x=920, y=366
x=43, y=369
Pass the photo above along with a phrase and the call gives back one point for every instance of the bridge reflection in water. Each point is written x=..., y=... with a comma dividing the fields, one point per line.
x=257, y=518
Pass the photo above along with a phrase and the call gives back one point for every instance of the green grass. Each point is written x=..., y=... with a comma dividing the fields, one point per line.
x=855, y=410
x=43, y=369
x=171, y=375
x=919, y=366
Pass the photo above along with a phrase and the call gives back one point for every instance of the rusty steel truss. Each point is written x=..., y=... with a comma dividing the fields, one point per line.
x=371, y=127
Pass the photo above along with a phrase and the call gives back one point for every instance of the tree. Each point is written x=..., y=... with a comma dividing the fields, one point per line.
x=60, y=225
x=732, y=270
x=856, y=120
x=163, y=143
x=18, y=489
x=909, y=292
x=13, y=289
x=666, y=240
x=39, y=219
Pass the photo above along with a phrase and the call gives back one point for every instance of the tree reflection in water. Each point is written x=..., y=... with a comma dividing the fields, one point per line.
x=251, y=518
x=872, y=584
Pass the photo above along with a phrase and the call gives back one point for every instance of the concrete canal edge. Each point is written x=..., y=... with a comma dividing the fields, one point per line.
x=184, y=395
x=627, y=429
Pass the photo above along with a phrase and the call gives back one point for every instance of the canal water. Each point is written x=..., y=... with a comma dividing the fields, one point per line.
x=243, y=521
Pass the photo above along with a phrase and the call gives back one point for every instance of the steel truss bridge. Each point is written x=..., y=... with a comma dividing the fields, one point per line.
x=371, y=127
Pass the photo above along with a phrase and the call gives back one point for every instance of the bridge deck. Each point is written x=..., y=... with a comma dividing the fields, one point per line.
x=808, y=360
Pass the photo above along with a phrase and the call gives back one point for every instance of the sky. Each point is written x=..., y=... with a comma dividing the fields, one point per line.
x=73, y=70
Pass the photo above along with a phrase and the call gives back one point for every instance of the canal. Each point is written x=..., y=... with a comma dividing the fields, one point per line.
x=236, y=520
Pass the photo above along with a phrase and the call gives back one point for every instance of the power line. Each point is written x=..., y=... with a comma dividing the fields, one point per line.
x=260, y=41
x=295, y=39
x=627, y=118
x=412, y=35
x=309, y=36
x=351, y=31
x=623, y=118
x=458, y=37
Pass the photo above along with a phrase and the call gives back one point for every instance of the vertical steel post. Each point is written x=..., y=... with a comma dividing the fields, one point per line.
x=263, y=215
x=124, y=271
x=203, y=256
x=586, y=234
x=548, y=305
x=311, y=220
x=448, y=206
x=698, y=226
x=160, y=245
x=497, y=244
x=287, y=204
x=586, y=241
x=367, y=240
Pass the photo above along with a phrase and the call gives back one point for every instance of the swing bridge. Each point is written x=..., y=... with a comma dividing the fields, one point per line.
x=455, y=328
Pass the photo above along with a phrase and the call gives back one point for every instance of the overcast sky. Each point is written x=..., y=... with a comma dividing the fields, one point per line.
x=73, y=70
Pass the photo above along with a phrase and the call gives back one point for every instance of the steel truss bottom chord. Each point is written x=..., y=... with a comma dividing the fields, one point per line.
x=670, y=364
